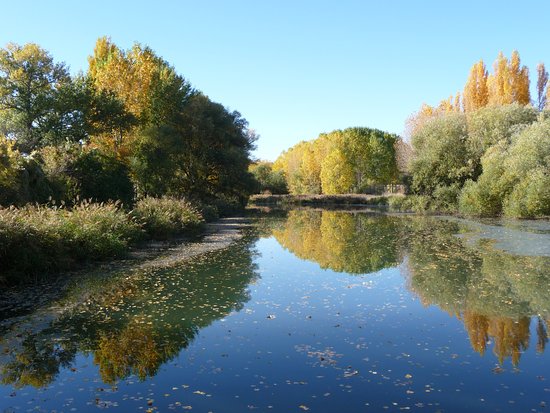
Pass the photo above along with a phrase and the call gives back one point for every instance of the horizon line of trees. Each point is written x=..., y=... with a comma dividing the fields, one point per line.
x=342, y=161
x=129, y=127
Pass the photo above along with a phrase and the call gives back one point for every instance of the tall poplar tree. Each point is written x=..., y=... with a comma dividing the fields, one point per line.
x=542, y=81
x=476, y=92
x=510, y=81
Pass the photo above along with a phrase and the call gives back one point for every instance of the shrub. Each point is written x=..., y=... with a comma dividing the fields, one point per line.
x=492, y=124
x=99, y=230
x=530, y=197
x=36, y=239
x=209, y=212
x=165, y=217
x=441, y=154
x=86, y=174
x=410, y=203
x=445, y=198
x=515, y=177
x=102, y=177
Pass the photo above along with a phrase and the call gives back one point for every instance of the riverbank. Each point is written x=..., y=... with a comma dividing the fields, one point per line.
x=320, y=200
x=38, y=241
x=216, y=235
x=399, y=203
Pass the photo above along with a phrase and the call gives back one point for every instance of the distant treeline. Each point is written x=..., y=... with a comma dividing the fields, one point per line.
x=485, y=152
x=129, y=127
x=343, y=161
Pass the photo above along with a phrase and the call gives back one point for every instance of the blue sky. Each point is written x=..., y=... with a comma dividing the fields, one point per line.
x=297, y=68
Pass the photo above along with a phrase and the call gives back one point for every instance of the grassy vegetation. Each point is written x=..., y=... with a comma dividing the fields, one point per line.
x=42, y=239
x=162, y=218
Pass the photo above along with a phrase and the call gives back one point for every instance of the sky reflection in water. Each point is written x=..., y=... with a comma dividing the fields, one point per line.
x=318, y=311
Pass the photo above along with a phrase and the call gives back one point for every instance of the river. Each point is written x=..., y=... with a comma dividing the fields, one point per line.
x=321, y=311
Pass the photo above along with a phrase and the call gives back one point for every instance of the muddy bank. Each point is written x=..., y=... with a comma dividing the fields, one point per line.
x=21, y=300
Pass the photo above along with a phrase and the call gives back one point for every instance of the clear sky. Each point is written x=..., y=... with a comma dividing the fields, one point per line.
x=297, y=68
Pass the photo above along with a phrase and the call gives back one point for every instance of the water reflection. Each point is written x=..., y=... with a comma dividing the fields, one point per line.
x=346, y=242
x=131, y=323
x=495, y=294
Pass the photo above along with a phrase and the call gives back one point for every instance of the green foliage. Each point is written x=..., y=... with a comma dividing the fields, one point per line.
x=530, y=197
x=76, y=173
x=442, y=156
x=41, y=239
x=473, y=162
x=10, y=164
x=342, y=161
x=492, y=124
x=166, y=217
x=515, y=177
x=409, y=203
x=32, y=95
x=102, y=177
x=268, y=180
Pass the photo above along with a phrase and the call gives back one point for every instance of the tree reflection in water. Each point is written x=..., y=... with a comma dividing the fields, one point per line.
x=133, y=323
x=494, y=293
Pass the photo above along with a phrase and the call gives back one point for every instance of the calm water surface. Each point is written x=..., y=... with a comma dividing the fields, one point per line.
x=319, y=311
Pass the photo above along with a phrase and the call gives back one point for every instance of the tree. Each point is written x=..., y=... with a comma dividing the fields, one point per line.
x=476, y=93
x=491, y=124
x=139, y=90
x=337, y=175
x=542, y=81
x=31, y=87
x=268, y=179
x=510, y=81
x=441, y=154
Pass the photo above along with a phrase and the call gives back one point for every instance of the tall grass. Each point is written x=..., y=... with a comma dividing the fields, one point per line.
x=165, y=217
x=44, y=239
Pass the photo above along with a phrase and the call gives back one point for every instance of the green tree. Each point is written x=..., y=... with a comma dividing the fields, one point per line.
x=267, y=179
x=442, y=156
x=30, y=86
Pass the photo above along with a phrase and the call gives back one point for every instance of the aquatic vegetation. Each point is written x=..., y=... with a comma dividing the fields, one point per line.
x=35, y=239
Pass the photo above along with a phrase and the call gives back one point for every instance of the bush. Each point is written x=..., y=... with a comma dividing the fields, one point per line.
x=445, y=198
x=515, y=177
x=209, y=212
x=410, y=203
x=441, y=154
x=228, y=205
x=492, y=124
x=530, y=197
x=37, y=239
x=103, y=178
x=74, y=173
x=164, y=217
x=268, y=180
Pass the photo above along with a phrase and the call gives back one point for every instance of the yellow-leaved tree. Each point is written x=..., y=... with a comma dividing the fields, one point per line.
x=476, y=92
x=510, y=81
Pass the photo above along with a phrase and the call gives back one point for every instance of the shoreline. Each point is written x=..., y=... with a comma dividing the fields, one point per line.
x=20, y=299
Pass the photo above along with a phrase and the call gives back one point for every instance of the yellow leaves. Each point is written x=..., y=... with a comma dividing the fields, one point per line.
x=476, y=92
x=510, y=82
